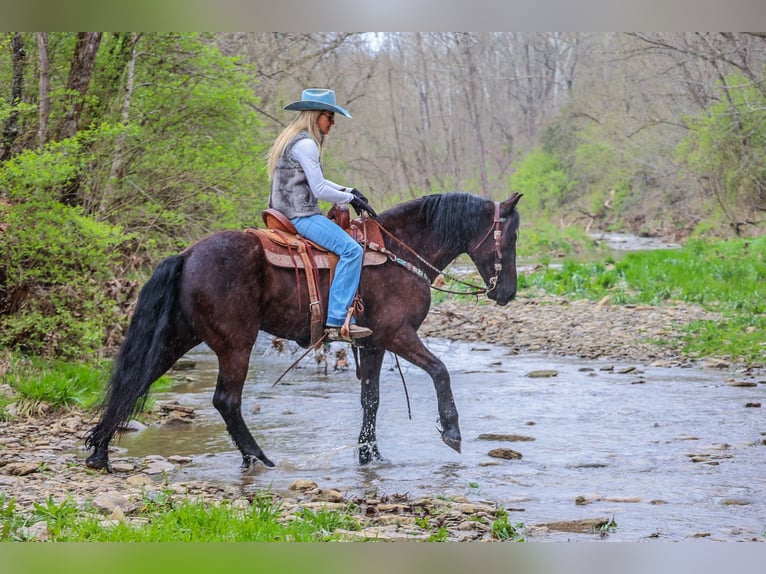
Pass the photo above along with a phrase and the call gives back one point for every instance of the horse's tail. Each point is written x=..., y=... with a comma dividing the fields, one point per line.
x=145, y=354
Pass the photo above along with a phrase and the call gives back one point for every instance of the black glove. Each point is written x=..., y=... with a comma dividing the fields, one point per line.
x=360, y=204
x=356, y=193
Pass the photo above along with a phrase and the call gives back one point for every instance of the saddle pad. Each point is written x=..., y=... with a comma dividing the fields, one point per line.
x=280, y=255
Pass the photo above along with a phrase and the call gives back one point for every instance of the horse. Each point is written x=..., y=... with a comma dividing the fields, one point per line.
x=223, y=292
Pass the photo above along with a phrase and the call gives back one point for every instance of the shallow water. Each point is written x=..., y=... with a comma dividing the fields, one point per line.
x=621, y=441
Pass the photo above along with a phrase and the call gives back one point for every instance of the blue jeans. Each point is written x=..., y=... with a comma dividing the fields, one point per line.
x=345, y=282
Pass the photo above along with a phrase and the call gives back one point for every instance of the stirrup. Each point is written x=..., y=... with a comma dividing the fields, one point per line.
x=348, y=335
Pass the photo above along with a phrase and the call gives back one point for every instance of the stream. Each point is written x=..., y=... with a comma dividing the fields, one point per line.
x=667, y=453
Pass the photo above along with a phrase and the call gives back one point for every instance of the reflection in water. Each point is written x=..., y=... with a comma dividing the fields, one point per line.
x=669, y=453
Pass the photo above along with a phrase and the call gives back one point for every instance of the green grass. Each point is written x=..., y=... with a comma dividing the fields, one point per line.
x=58, y=383
x=165, y=520
x=728, y=277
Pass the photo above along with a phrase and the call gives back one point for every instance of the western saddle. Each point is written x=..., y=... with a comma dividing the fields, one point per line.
x=284, y=247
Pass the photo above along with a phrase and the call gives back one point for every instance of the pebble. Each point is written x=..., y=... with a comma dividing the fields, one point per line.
x=108, y=501
x=159, y=467
x=506, y=453
x=542, y=374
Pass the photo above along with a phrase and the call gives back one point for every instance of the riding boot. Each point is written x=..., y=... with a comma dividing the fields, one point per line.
x=349, y=331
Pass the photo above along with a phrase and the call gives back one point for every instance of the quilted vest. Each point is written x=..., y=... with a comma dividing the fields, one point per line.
x=290, y=191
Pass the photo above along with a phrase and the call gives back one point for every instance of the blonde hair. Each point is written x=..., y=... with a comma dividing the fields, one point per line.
x=306, y=121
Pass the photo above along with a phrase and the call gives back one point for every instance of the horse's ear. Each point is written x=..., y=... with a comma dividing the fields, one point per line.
x=510, y=203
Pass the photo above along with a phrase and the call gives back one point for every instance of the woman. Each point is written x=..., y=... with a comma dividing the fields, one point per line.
x=297, y=183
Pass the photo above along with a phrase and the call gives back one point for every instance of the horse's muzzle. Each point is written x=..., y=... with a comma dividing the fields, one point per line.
x=502, y=299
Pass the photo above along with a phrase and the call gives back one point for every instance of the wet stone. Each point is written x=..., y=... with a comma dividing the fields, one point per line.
x=743, y=384
x=542, y=374
x=505, y=437
x=582, y=526
x=123, y=467
x=303, y=484
x=735, y=502
x=158, y=467
x=505, y=453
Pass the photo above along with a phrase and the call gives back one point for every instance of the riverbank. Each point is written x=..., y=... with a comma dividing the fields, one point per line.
x=41, y=460
x=650, y=335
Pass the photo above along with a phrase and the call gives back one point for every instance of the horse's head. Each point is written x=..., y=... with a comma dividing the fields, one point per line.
x=494, y=252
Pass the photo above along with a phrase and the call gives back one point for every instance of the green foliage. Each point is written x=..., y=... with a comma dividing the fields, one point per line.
x=193, y=156
x=10, y=520
x=55, y=260
x=166, y=520
x=58, y=383
x=727, y=144
x=542, y=179
x=502, y=529
x=137, y=182
x=544, y=240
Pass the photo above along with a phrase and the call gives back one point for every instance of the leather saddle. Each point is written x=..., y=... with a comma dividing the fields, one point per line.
x=284, y=247
x=281, y=241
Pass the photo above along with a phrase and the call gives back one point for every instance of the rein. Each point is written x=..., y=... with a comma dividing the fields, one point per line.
x=495, y=230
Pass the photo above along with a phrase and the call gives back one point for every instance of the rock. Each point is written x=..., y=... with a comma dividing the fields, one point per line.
x=175, y=407
x=158, y=467
x=505, y=437
x=7, y=391
x=21, y=468
x=117, y=515
x=735, y=383
x=178, y=418
x=108, y=501
x=328, y=495
x=178, y=459
x=542, y=373
x=582, y=526
x=303, y=484
x=139, y=480
x=38, y=531
x=735, y=502
x=506, y=453
x=119, y=466
x=184, y=365
x=712, y=363
x=133, y=426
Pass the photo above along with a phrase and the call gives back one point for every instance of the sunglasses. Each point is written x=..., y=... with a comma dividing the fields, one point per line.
x=330, y=117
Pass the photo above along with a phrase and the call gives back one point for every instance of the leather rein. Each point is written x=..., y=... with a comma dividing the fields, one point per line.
x=495, y=231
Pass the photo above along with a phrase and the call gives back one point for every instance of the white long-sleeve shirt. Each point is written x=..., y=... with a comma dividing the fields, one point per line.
x=306, y=152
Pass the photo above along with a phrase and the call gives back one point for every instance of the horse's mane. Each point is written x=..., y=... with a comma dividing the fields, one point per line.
x=452, y=217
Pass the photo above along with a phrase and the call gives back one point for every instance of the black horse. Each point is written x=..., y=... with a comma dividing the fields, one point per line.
x=222, y=291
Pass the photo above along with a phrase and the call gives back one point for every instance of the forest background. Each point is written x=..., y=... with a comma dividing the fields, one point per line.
x=117, y=149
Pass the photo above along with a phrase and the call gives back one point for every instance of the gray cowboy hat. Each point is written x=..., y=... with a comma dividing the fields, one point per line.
x=317, y=99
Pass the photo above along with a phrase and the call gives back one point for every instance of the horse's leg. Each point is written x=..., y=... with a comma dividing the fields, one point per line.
x=232, y=371
x=408, y=345
x=370, y=363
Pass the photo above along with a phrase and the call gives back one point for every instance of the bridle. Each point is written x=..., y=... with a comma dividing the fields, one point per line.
x=495, y=230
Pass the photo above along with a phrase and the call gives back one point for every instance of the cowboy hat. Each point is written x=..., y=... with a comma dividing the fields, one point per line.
x=317, y=99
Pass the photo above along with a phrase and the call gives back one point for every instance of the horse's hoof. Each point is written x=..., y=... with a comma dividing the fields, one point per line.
x=452, y=440
x=267, y=462
x=368, y=454
x=249, y=459
x=98, y=463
